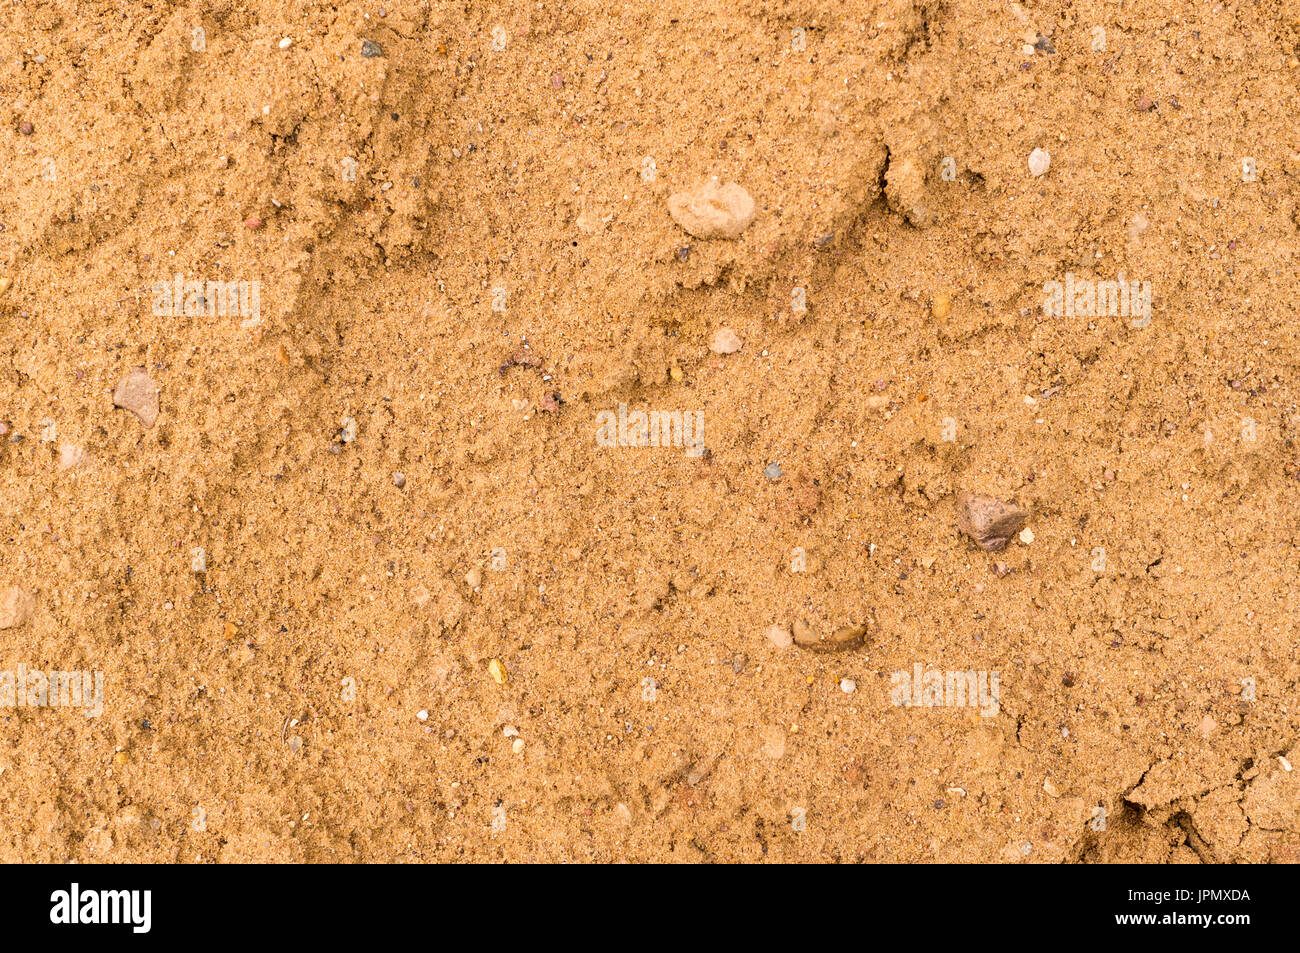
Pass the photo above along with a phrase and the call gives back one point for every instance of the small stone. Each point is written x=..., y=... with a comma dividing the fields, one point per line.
x=725, y=341
x=738, y=662
x=370, y=49
x=510, y=731
x=1039, y=162
x=780, y=637
x=772, y=471
x=71, y=456
x=1050, y=788
x=557, y=81
x=1068, y=679
x=16, y=606
x=253, y=223
x=399, y=480
x=198, y=559
x=473, y=579
x=138, y=393
x=848, y=686
x=5, y=283
x=1026, y=535
x=845, y=637
x=517, y=745
x=49, y=430
x=498, y=671
x=26, y=128
x=712, y=210
x=1208, y=726
x=988, y=520
x=422, y=715
x=349, y=429
x=286, y=43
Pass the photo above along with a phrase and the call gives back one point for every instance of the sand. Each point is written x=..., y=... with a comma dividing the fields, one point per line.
x=368, y=562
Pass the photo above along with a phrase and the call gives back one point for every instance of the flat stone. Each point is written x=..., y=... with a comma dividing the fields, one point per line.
x=712, y=210
x=138, y=393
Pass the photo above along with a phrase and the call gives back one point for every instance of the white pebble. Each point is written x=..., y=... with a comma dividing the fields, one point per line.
x=780, y=637
x=286, y=43
x=848, y=686
x=422, y=715
x=1026, y=535
x=1039, y=162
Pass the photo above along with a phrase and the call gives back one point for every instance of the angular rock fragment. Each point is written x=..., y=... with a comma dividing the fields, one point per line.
x=989, y=521
x=845, y=637
x=712, y=210
x=138, y=393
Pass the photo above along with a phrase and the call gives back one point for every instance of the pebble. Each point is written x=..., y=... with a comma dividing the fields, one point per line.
x=941, y=306
x=725, y=341
x=253, y=222
x=370, y=49
x=988, y=520
x=49, y=430
x=26, y=128
x=845, y=637
x=473, y=579
x=712, y=210
x=1026, y=535
x=199, y=559
x=399, y=480
x=772, y=471
x=497, y=669
x=16, y=606
x=848, y=686
x=138, y=393
x=71, y=456
x=780, y=637
x=5, y=283
x=286, y=43
x=349, y=431
x=517, y=745
x=1039, y=162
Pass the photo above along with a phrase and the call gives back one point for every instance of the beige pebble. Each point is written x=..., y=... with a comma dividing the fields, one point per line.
x=71, y=456
x=712, y=210
x=1039, y=162
x=473, y=579
x=1026, y=535
x=988, y=520
x=725, y=341
x=16, y=606
x=497, y=669
x=138, y=393
x=1050, y=788
x=1208, y=726
x=780, y=637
